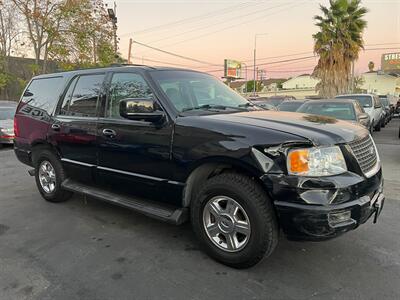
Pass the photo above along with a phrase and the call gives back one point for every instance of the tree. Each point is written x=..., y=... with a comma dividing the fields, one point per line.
x=89, y=37
x=9, y=40
x=250, y=86
x=358, y=82
x=46, y=22
x=337, y=44
x=371, y=66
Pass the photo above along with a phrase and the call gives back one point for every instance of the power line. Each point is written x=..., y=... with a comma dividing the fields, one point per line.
x=395, y=48
x=163, y=62
x=176, y=55
x=190, y=19
x=235, y=25
x=215, y=24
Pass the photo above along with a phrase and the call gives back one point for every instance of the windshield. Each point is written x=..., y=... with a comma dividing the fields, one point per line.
x=289, y=106
x=342, y=111
x=7, y=113
x=190, y=90
x=365, y=101
x=384, y=101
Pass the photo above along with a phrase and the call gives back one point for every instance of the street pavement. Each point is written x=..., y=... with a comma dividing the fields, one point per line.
x=87, y=249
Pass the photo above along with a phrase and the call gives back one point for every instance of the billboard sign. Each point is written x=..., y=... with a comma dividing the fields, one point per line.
x=391, y=62
x=232, y=69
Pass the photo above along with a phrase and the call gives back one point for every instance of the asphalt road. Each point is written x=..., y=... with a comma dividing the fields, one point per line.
x=86, y=249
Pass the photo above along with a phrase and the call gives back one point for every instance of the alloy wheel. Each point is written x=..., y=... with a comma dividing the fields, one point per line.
x=226, y=223
x=47, y=176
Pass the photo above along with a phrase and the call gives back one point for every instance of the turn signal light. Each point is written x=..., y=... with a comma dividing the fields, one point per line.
x=298, y=161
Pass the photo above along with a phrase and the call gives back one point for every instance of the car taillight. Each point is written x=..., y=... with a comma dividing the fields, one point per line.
x=16, y=130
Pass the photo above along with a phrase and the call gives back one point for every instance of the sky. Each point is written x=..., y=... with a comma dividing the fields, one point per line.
x=210, y=31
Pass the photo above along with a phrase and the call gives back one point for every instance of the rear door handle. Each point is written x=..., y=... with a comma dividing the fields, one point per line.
x=55, y=127
x=109, y=133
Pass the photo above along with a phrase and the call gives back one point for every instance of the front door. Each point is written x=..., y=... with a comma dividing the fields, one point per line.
x=74, y=128
x=133, y=155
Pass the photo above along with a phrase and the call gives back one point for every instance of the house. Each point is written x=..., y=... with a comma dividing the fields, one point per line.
x=272, y=84
x=304, y=81
x=380, y=83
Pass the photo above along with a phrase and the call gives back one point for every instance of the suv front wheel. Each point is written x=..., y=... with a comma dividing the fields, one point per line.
x=234, y=220
x=49, y=175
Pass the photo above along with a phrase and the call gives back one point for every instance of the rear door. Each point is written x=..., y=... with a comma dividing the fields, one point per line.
x=73, y=130
x=136, y=158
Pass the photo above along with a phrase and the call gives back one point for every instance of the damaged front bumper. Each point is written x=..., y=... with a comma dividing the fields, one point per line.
x=323, y=208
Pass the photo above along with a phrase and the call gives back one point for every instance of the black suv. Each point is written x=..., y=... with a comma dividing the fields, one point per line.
x=180, y=145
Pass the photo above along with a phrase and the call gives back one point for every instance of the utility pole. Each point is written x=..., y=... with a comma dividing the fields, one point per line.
x=254, y=66
x=129, y=50
x=112, y=14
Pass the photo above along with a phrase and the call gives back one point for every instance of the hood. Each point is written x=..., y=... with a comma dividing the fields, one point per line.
x=320, y=130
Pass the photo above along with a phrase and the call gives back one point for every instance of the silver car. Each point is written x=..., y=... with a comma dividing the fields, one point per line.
x=371, y=105
x=7, y=111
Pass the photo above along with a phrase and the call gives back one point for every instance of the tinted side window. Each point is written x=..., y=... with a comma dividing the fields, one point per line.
x=82, y=102
x=43, y=93
x=67, y=98
x=123, y=86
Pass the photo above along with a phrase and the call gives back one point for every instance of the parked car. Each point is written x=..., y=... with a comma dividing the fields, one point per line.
x=342, y=109
x=180, y=145
x=7, y=111
x=291, y=105
x=388, y=107
x=371, y=106
x=273, y=100
x=263, y=103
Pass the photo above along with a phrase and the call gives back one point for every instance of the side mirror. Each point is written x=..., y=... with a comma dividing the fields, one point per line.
x=140, y=109
x=363, y=116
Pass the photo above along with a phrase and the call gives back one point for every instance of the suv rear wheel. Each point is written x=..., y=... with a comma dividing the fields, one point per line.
x=234, y=220
x=49, y=175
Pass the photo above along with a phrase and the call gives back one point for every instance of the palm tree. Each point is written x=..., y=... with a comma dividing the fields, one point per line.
x=337, y=44
x=371, y=66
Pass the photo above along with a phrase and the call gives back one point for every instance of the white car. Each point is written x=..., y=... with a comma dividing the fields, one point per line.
x=372, y=106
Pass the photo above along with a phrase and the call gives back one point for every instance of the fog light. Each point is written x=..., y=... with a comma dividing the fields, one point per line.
x=339, y=217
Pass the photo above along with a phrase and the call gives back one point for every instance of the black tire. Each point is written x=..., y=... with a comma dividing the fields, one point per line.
x=264, y=227
x=378, y=127
x=59, y=194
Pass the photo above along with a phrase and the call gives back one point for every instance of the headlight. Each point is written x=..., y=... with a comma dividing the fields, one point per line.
x=7, y=130
x=317, y=161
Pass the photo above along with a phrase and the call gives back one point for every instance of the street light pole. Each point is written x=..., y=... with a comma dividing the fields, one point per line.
x=112, y=14
x=254, y=66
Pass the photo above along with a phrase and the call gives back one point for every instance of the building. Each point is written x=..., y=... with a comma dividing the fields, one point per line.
x=272, y=84
x=304, y=81
x=381, y=83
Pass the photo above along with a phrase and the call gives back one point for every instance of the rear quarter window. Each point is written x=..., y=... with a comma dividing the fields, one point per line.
x=43, y=93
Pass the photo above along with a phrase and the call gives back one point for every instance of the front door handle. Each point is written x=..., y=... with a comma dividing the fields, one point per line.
x=109, y=133
x=55, y=127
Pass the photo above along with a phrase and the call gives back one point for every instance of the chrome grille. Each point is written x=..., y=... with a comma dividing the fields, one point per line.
x=365, y=152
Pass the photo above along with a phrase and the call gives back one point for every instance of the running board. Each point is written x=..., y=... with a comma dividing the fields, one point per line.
x=160, y=211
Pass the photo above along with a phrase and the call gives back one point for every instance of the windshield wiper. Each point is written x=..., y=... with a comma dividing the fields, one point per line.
x=248, y=104
x=206, y=106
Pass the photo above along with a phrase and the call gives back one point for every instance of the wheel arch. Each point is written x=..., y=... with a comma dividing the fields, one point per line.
x=210, y=167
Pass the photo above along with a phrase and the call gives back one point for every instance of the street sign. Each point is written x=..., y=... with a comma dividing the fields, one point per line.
x=232, y=69
x=391, y=63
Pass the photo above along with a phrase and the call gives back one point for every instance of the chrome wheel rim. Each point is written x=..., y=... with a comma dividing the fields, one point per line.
x=226, y=223
x=47, y=177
